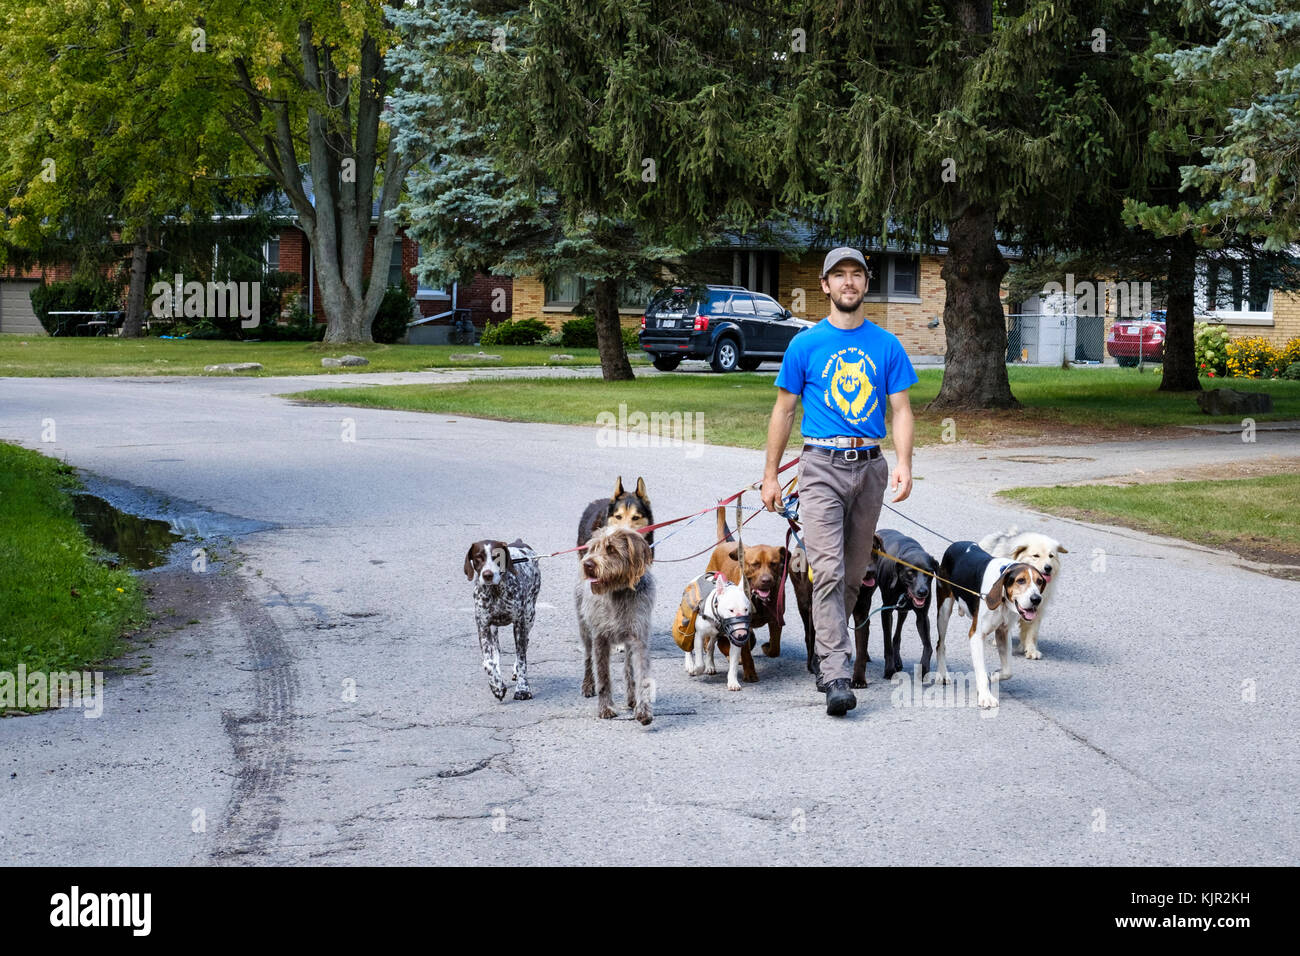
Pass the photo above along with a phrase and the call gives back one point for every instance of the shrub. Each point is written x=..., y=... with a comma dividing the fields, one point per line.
x=1290, y=353
x=1211, y=350
x=522, y=332
x=1252, y=357
x=553, y=337
x=632, y=339
x=76, y=295
x=395, y=311
x=1292, y=372
x=579, y=333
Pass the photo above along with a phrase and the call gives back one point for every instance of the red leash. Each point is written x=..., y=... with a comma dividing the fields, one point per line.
x=664, y=524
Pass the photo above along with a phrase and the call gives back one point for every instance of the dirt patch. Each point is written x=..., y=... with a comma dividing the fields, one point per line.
x=1211, y=471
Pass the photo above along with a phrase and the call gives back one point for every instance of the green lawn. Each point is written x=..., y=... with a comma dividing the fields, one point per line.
x=60, y=609
x=1251, y=515
x=51, y=357
x=735, y=408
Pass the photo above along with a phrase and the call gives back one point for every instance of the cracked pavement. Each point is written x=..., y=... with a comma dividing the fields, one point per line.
x=329, y=706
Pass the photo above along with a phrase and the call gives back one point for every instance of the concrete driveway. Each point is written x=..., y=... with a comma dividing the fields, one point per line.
x=328, y=705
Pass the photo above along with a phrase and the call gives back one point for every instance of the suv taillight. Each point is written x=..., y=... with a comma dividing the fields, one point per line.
x=643, y=323
x=701, y=323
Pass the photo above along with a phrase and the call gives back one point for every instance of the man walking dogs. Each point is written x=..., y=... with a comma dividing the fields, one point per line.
x=842, y=368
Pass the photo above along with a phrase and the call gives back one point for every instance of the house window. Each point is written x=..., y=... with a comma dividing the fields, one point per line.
x=424, y=291
x=1234, y=289
x=395, y=275
x=893, y=276
x=271, y=250
x=567, y=288
x=906, y=275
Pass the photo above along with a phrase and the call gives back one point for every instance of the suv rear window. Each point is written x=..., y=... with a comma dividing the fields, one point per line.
x=674, y=300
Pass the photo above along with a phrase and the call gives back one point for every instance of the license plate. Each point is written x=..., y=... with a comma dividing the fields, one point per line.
x=1130, y=331
x=667, y=323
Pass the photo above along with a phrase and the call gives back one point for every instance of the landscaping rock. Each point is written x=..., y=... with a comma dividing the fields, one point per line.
x=234, y=367
x=345, y=360
x=474, y=357
x=1229, y=401
x=561, y=357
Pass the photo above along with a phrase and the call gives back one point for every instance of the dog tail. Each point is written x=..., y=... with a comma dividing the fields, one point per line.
x=724, y=533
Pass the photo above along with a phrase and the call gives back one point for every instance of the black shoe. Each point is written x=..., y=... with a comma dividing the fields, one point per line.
x=839, y=699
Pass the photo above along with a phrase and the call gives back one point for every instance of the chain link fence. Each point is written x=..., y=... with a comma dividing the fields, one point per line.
x=1042, y=339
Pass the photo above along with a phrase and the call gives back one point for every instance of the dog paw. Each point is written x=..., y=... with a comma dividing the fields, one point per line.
x=1033, y=654
x=987, y=699
x=749, y=678
x=944, y=678
x=523, y=694
x=606, y=712
x=733, y=685
x=858, y=683
x=710, y=669
x=1000, y=676
x=771, y=651
x=498, y=690
x=588, y=689
x=643, y=713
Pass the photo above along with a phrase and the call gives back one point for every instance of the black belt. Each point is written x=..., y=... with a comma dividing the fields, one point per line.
x=848, y=454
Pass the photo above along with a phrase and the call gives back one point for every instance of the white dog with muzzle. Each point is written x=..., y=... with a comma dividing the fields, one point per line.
x=722, y=616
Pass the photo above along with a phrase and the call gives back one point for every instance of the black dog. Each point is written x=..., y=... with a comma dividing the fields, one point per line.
x=624, y=510
x=803, y=598
x=902, y=589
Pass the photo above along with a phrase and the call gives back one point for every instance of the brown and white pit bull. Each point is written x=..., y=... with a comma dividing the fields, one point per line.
x=764, y=569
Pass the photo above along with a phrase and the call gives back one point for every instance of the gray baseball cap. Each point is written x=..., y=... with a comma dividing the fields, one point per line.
x=836, y=256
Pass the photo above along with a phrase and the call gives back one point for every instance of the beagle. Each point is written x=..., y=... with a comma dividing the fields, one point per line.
x=996, y=593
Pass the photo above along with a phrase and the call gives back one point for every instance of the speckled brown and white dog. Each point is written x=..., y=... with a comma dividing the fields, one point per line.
x=506, y=582
x=614, y=598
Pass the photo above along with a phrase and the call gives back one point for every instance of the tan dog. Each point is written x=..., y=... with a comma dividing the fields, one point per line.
x=763, y=568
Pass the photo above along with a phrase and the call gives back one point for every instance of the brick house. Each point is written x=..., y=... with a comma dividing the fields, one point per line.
x=907, y=295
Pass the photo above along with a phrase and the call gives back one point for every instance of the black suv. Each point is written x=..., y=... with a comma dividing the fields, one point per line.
x=727, y=324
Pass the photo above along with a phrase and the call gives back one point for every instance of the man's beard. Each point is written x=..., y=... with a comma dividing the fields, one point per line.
x=845, y=304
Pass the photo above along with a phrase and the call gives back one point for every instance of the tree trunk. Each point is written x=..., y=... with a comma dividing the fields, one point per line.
x=1180, y=372
x=133, y=326
x=614, y=366
x=975, y=374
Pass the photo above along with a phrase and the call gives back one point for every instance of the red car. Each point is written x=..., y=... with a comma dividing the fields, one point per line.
x=1130, y=338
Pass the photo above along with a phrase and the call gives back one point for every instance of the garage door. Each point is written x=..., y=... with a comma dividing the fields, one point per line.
x=16, y=313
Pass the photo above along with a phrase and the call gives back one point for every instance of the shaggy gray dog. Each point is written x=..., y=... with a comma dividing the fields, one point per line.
x=614, y=597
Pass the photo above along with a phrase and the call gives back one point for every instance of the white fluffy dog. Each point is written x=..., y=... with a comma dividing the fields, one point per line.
x=1041, y=552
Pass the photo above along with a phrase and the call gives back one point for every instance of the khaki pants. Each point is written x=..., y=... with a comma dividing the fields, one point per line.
x=839, y=505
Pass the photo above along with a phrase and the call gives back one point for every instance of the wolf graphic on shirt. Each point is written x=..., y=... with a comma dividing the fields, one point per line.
x=850, y=388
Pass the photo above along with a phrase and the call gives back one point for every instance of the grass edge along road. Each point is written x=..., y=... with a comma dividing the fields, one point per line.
x=62, y=608
x=1060, y=405
x=1258, y=518
x=45, y=357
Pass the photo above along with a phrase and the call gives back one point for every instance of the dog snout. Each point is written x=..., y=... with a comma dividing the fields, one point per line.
x=488, y=575
x=589, y=568
x=1035, y=599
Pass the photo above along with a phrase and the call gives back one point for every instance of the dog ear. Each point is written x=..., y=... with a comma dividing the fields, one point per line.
x=1020, y=549
x=1061, y=549
x=994, y=597
x=469, y=562
x=640, y=490
x=618, y=487
x=734, y=554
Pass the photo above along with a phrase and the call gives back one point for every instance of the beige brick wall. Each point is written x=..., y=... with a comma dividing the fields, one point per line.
x=907, y=320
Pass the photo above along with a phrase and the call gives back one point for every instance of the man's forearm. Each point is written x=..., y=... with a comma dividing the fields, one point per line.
x=778, y=434
x=903, y=435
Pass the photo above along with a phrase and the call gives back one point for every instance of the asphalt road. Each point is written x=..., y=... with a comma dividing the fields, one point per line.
x=1158, y=729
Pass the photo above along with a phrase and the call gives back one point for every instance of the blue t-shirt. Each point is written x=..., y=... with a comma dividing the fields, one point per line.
x=844, y=378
